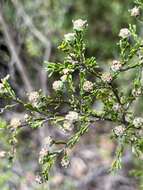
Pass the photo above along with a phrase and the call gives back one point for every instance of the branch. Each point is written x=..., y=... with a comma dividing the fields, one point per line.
x=28, y=22
x=40, y=36
x=12, y=48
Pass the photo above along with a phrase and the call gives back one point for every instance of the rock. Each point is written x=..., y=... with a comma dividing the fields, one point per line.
x=57, y=179
x=88, y=154
x=78, y=168
x=119, y=183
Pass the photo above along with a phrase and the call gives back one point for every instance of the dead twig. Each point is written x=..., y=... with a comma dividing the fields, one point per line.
x=12, y=48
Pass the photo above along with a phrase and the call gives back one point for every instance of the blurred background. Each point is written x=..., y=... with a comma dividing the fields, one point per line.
x=30, y=32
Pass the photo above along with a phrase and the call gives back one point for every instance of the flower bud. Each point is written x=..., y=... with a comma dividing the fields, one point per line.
x=47, y=141
x=66, y=71
x=87, y=86
x=138, y=121
x=2, y=154
x=63, y=78
x=116, y=107
x=72, y=116
x=135, y=11
x=106, y=77
x=57, y=85
x=79, y=24
x=137, y=92
x=67, y=125
x=116, y=65
x=119, y=130
x=124, y=33
x=15, y=123
x=26, y=117
x=43, y=152
x=65, y=162
x=38, y=179
x=33, y=98
x=69, y=37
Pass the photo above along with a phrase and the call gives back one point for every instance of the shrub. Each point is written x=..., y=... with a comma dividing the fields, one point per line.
x=82, y=81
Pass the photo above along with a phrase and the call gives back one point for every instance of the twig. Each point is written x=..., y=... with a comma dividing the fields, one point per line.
x=116, y=94
x=28, y=22
x=40, y=36
x=12, y=48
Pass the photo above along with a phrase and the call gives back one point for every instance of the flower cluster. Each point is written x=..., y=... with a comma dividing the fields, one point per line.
x=119, y=130
x=26, y=117
x=15, y=122
x=69, y=37
x=67, y=126
x=116, y=65
x=70, y=118
x=43, y=152
x=63, y=78
x=135, y=11
x=124, y=33
x=33, y=98
x=2, y=154
x=57, y=85
x=47, y=141
x=116, y=107
x=87, y=86
x=71, y=60
x=137, y=92
x=38, y=179
x=138, y=122
x=66, y=71
x=106, y=77
x=65, y=162
x=79, y=24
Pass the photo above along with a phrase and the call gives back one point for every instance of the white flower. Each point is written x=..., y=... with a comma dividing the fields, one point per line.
x=136, y=92
x=87, y=86
x=26, y=117
x=71, y=60
x=79, y=24
x=66, y=71
x=33, y=98
x=72, y=116
x=65, y=162
x=57, y=85
x=5, y=78
x=67, y=125
x=106, y=77
x=43, y=152
x=15, y=122
x=124, y=33
x=38, y=179
x=116, y=107
x=119, y=130
x=135, y=11
x=47, y=141
x=2, y=154
x=69, y=37
x=63, y=78
x=138, y=121
x=116, y=65
x=1, y=87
